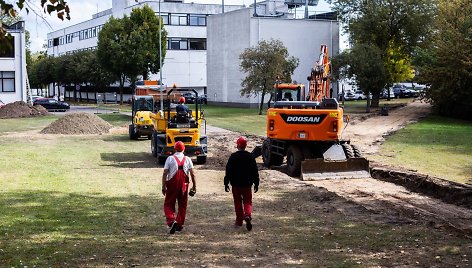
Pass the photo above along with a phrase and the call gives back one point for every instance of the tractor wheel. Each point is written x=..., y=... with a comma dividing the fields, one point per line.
x=201, y=159
x=356, y=150
x=132, y=133
x=269, y=158
x=294, y=160
x=154, y=144
x=162, y=160
x=348, y=150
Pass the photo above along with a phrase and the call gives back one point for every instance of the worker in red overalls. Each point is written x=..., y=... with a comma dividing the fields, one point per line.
x=242, y=173
x=175, y=180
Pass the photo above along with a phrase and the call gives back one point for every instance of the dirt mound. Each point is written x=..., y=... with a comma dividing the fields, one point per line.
x=21, y=109
x=78, y=123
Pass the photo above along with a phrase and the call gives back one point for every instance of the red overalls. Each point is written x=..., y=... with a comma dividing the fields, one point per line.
x=242, y=197
x=176, y=190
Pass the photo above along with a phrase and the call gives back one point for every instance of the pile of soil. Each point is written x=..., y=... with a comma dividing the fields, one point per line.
x=21, y=109
x=78, y=123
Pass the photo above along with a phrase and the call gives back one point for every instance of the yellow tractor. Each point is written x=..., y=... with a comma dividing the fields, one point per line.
x=170, y=126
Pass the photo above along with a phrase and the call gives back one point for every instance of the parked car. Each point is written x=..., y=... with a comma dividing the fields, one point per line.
x=356, y=95
x=386, y=92
x=203, y=99
x=51, y=104
x=401, y=91
x=190, y=98
x=35, y=97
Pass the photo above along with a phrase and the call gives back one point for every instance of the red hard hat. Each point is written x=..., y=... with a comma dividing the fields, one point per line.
x=182, y=100
x=179, y=146
x=241, y=142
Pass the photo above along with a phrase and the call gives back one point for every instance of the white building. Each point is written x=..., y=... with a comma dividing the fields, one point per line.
x=204, y=43
x=185, y=62
x=13, y=66
x=230, y=33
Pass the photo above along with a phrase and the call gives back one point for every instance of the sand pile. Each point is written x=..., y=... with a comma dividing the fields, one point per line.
x=78, y=123
x=21, y=109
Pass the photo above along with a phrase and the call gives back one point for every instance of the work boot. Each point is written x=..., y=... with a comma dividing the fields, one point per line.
x=248, y=223
x=173, y=227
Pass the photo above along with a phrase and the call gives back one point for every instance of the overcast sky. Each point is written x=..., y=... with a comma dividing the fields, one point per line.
x=39, y=24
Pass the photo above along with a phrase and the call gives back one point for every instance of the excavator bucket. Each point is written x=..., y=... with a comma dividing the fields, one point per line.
x=320, y=169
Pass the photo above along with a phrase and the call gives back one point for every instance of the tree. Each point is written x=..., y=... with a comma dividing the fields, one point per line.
x=146, y=26
x=364, y=64
x=446, y=64
x=262, y=64
x=123, y=46
x=10, y=11
x=396, y=28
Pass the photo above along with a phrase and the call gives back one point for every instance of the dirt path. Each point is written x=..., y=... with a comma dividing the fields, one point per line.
x=368, y=134
x=394, y=202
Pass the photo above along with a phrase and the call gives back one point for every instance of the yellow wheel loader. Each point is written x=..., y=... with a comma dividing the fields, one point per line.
x=170, y=126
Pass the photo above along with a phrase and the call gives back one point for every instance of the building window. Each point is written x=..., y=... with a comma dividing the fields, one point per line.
x=197, y=20
x=197, y=44
x=94, y=32
x=61, y=40
x=178, y=19
x=177, y=44
x=81, y=37
x=55, y=42
x=165, y=18
x=50, y=43
x=8, y=51
x=7, y=81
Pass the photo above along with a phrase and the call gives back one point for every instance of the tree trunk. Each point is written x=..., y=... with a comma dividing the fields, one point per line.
x=270, y=100
x=367, y=108
x=375, y=100
x=122, y=83
x=261, y=105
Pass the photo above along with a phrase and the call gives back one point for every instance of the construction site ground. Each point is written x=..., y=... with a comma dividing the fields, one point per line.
x=366, y=222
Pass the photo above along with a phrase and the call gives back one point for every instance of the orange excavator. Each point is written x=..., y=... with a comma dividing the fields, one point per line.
x=307, y=130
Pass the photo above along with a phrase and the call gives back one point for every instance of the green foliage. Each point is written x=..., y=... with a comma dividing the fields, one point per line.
x=396, y=28
x=446, y=64
x=146, y=27
x=364, y=64
x=128, y=47
x=9, y=12
x=262, y=64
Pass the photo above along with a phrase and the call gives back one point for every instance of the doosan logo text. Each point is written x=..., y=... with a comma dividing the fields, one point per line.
x=304, y=119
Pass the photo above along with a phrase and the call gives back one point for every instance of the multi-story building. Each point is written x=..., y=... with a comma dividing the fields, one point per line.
x=205, y=40
x=230, y=33
x=13, y=65
x=185, y=62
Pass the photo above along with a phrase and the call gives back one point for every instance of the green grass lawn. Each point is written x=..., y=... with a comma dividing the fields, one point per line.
x=437, y=146
x=244, y=120
x=95, y=201
x=25, y=124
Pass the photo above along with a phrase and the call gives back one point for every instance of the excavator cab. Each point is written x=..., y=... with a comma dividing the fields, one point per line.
x=289, y=92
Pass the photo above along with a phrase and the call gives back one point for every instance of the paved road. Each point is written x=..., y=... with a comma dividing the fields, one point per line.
x=89, y=109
